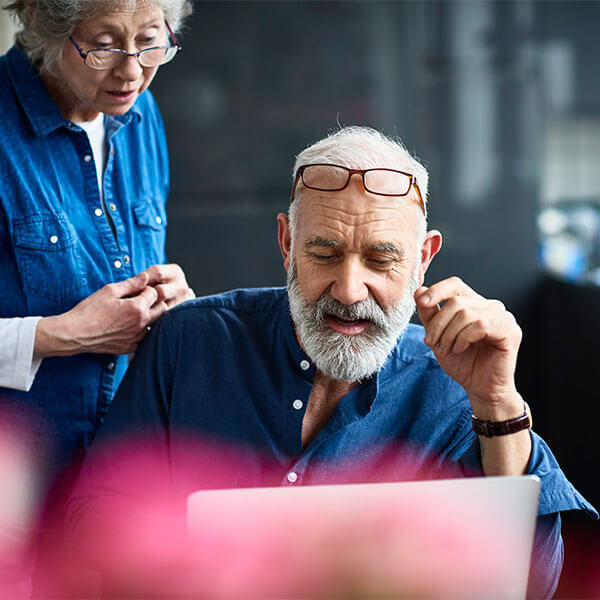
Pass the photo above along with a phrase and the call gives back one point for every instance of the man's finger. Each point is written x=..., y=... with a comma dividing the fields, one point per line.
x=444, y=290
x=461, y=323
x=425, y=312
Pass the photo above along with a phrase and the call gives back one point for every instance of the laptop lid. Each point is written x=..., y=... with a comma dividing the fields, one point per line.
x=455, y=538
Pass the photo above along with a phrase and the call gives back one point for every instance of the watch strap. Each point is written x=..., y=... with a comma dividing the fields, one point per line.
x=495, y=428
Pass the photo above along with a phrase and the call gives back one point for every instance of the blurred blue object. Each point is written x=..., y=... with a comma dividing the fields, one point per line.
x=570, y=241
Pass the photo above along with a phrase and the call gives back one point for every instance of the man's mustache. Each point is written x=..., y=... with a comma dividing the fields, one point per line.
x=367, y=309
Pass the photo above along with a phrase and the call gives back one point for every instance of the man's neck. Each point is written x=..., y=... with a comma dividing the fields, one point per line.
x=325, y=395
x=332, y=388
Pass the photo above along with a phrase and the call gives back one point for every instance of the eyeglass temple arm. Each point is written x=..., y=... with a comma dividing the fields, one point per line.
x=172, y=35
x=421, y=203
x=81, y=52
x=298, y=175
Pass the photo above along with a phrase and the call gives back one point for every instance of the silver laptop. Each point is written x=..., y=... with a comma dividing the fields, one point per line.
x=454, y=538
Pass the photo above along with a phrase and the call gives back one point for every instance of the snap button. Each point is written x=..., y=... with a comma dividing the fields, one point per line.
x=117, y=264
x=110, y=366
x=126, y=259
x=297, y=404
x=53, y=239
x=98, y=212
x=87, y=158
x=158, y=220
x=112, y=206
x=292, y=477
x=304, y=365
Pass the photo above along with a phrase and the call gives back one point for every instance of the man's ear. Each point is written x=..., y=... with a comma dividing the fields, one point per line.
x=431, y=246
x=285, y=239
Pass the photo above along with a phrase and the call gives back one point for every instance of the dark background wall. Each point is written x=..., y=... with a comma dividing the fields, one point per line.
x=472, y=87
x=258, y=81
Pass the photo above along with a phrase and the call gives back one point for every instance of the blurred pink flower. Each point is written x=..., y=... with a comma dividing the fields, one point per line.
x=19, y=506
x=127, y=521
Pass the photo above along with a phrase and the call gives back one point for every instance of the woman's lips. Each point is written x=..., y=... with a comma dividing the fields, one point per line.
x=346, y=326
x=119, y=97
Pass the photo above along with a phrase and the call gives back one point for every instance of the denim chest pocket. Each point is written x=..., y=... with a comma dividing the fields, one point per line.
x=151, y=223
x=148, y=216
x=49, y=261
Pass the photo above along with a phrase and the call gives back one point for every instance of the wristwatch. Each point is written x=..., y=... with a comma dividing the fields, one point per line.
x=494, y=428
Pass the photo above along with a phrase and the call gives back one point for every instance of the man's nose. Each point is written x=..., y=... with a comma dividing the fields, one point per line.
x=350, y=285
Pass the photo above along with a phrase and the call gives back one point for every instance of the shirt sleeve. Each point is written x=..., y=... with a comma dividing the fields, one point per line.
x=557, y=492
x=18, y=368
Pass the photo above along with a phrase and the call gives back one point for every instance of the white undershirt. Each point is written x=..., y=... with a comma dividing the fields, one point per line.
x=17, y=335
x=97, y=136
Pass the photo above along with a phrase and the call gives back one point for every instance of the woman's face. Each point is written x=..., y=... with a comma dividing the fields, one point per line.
x=82, y=92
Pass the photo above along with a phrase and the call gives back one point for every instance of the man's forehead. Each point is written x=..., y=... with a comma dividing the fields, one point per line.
x=342, y=218
x=356, y=208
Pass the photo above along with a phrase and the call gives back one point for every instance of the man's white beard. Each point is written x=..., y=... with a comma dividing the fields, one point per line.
x=341, y=356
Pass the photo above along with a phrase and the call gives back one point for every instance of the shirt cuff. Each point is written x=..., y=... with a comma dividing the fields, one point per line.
x=557, y=493
x=17, y=366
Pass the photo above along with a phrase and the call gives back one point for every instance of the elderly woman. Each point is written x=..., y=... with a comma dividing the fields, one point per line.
x=84, y=177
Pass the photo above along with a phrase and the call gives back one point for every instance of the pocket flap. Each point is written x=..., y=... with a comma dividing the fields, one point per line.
x=147, y=215
x=44, y=232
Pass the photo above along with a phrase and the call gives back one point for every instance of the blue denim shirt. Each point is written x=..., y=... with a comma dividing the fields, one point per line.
x=56, y=244
x=229, y=368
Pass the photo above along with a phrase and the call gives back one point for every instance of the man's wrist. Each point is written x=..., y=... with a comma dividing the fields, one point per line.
x=490, y=429
x=507, y=406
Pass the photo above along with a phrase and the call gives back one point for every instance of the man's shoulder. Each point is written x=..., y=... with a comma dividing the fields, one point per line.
x=242, y=301
x=411, y=360
x=411, y=346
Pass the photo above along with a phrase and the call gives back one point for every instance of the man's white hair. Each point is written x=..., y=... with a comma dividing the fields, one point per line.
x=360, y=148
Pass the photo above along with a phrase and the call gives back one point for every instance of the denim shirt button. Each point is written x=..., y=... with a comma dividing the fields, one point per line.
x=292, y=477
x=110, y=366
x=126, y=259
x=87, y=158
x=53, y=239
x=304, y=365
x=98, y=212
x=158, y=220
x=112, y=206
x=297, y=404
x=117, y=264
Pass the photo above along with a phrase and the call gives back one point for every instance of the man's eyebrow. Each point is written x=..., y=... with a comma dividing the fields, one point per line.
x=321, y=242
x=386, y=247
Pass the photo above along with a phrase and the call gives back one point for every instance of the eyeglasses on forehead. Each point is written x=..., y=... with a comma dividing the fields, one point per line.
x=327, y=177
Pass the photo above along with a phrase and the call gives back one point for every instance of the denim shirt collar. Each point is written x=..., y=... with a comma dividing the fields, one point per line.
x=39, y=107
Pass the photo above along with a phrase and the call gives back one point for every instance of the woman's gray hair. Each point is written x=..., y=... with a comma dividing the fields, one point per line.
x=46, y=24
x=360, y=148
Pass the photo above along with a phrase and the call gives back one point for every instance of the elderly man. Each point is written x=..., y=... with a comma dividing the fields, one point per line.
x=321, y=381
